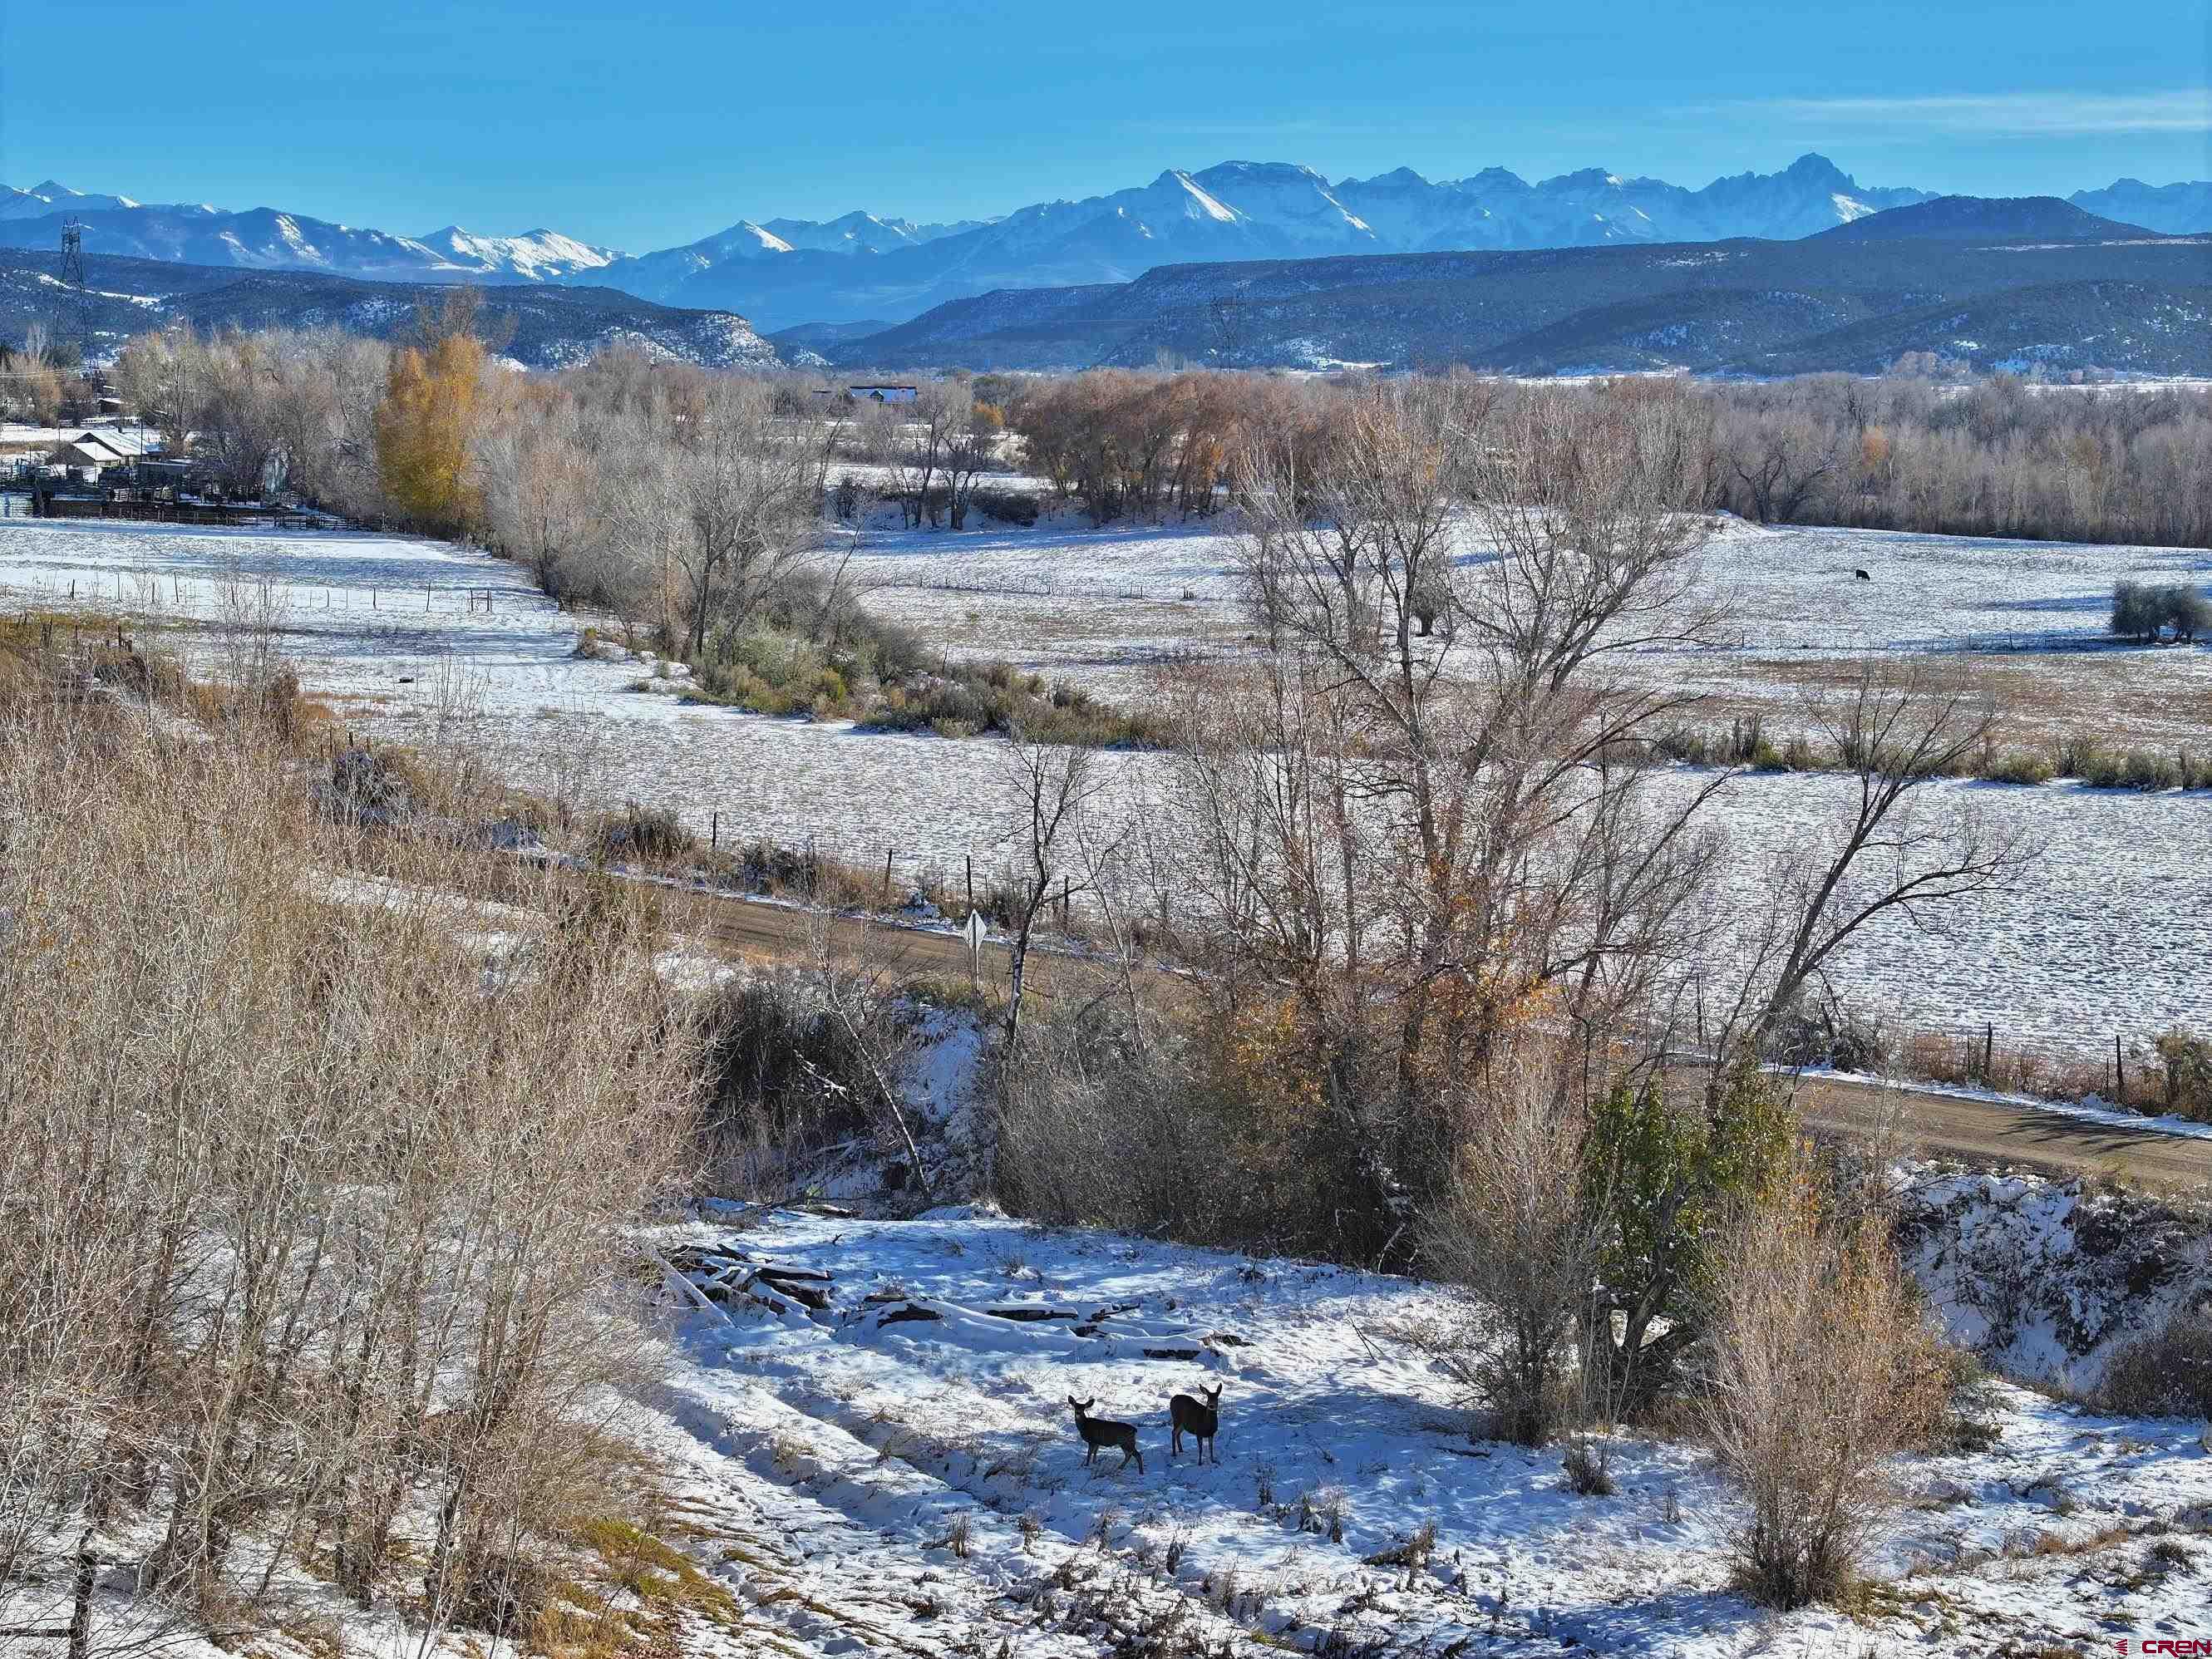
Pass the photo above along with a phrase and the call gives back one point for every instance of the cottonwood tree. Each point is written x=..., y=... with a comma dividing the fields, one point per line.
x=721, y=502
x=540, y=500
x=425, y=430
x=1783, y=463
x=968, y=454
x=1885, y=850
x=941, y=412
x=1425, y=842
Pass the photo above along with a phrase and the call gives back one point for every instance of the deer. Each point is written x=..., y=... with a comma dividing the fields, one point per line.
x=1187, y=1416
x=1098, y=1432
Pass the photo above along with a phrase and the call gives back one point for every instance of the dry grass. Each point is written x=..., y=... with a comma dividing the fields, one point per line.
x=223, y=1084
x=2038, y=697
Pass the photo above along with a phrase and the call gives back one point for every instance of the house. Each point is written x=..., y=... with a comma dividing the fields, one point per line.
x=881, y=394
x=129, y=442
x=85, y=456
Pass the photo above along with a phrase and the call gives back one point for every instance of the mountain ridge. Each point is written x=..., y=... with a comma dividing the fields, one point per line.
x=2135, y=303
x=862, y=265
x=544, y=325
x=2003, y=216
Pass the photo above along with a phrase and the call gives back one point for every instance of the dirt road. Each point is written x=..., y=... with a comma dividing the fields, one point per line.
x=1946, y=1126
x=1990, y=1132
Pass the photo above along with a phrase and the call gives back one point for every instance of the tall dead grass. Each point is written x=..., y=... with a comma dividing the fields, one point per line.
x=313, y=1227
x=1822, y=1367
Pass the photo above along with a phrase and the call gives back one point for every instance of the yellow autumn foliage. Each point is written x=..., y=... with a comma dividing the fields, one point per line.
x=423, y=429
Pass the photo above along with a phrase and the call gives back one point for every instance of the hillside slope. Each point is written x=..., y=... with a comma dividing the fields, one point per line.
x=2008, y=218
x=2136, y=303
x=546, y=327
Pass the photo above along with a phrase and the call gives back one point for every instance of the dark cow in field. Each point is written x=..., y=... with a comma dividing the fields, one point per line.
x=1862, y=575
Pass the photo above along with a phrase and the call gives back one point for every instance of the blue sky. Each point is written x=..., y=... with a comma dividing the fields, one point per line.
x=648, y=124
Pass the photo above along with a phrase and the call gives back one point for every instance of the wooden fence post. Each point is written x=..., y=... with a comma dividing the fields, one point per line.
x=887, y=874
x=2119, y=1073
x=971, y=883
x=714, y=831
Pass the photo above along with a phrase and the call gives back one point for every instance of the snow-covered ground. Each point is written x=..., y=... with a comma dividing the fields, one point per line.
x=2047, y=1280
x=846, y=1447
x=1796, y=588
x=2108, y=935
x=898, y=1472
x=1097, y=607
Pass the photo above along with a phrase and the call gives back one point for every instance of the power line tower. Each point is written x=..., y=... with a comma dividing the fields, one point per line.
x=73, y=280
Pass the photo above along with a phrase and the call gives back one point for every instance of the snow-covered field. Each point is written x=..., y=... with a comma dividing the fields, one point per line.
x=1796, y=588
x=1097, y=607
x=846, y=1449
x=2108, y=934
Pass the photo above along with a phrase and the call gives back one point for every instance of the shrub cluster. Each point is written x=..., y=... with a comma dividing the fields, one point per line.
x=2188, y=1061
x=998, y=699
x=2142, y=612
x=1098, y=1127
x=2165, y=1373
x=1744, y=743
x=880, y=677
x=2091, y=763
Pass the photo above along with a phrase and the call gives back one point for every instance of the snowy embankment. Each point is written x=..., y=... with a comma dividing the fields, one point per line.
x=905, y=1457
x=2046, y=1280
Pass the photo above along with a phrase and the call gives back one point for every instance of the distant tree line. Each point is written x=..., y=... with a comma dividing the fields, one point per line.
x=38, y=382
x=686, y=498
x=1999, y=457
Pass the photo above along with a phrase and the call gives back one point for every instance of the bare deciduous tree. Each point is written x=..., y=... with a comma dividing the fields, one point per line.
x=1885, y=851
x=1432, y=840
x=1053, y=785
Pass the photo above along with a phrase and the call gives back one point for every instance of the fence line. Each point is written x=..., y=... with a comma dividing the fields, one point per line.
x=2121, y=1067
x=422, y=598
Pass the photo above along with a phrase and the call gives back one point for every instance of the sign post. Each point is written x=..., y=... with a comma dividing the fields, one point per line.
x=974, y=932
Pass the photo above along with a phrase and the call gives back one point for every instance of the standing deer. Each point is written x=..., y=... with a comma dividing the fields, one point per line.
x=1098, y=1432
x=1186, y=1416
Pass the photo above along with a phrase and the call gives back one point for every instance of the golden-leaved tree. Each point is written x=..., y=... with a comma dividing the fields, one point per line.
x=424, y=426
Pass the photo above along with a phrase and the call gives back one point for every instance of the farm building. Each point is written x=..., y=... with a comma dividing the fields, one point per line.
x=87, y=451
x=881, y=394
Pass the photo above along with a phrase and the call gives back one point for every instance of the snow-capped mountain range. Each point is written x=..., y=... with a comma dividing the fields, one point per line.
x=264, y=239
x=782, y=272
